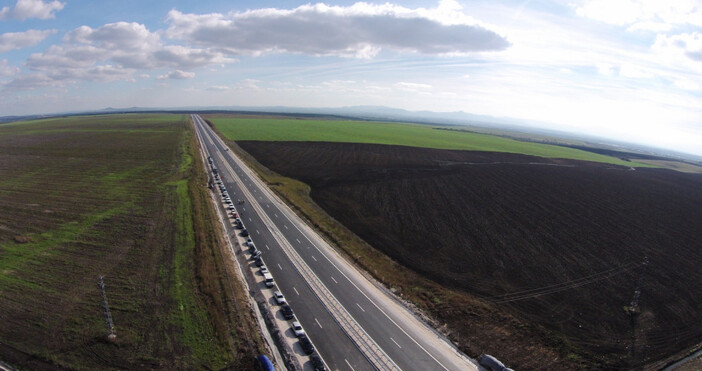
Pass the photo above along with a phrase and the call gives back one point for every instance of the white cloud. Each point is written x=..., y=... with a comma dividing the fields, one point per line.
x=320, y=29
x=650, y=26
x=605, y=69
x=6, y=69
x=688, y=45
x=632, y=71
x=18, y=40
x=124, y=36
x=25, y=9
x=219, y=88
x=30, y=82
x=177, y=75
x=687, y=85
x=110, y=52
x=655, y=15
x=413, y=87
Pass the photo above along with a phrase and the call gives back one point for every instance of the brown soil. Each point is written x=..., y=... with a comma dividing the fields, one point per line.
x=561, y=245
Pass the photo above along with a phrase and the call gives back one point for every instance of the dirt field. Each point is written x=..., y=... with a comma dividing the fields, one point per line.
x=114, y=196
x=562, y=245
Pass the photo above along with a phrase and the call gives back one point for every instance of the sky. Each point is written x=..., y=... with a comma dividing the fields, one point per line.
x=630, y=70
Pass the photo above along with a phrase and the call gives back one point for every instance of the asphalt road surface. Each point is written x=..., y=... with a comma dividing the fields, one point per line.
x=353, y=323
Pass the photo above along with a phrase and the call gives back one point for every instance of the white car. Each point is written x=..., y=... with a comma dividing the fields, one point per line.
x=264, y=269
x=279, y=298
x=297, y=329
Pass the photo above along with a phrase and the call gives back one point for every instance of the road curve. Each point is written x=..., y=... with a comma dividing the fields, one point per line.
x=355, y=324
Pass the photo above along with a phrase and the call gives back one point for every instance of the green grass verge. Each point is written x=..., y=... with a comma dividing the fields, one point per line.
x=413, y=135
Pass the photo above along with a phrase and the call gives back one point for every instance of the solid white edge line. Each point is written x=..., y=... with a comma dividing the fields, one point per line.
x=351, y=367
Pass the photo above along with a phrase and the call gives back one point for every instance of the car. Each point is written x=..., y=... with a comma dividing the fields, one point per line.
x=287, y=312
x=258, y=261
x=229, y=202
x=297, y=329
x=317, y=363
x=226, y=149
x=306, y=344
x=244, y=233
x=264, y=269
x=230, y=207
x=279, y=298
x=256, y=254
x=235, y=214
x=268, y=280
x=252, y=248
x=249, y=242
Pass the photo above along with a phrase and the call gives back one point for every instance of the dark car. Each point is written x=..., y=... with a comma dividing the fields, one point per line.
x=244, y=233
x=259, y=261
x=317, y=363
x=491, y=363
x=306, y=344
x=256, y=254
x=287, y=312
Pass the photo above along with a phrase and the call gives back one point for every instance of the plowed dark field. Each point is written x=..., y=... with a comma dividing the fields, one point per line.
x=606, y=257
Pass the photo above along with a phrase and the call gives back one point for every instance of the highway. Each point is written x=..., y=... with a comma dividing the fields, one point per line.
x=354, y=324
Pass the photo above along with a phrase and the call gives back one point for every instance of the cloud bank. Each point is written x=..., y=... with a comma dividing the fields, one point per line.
x=111, y=52
x=361, y=30
x=119, y=50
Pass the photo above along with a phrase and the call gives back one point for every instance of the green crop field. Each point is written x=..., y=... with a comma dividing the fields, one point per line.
x=413, y=135
x=113, y=195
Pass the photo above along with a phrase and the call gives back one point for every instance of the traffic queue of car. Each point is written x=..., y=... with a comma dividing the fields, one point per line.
x=255, y=255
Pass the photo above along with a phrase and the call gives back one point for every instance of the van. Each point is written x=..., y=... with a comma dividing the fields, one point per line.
x=268, y=279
